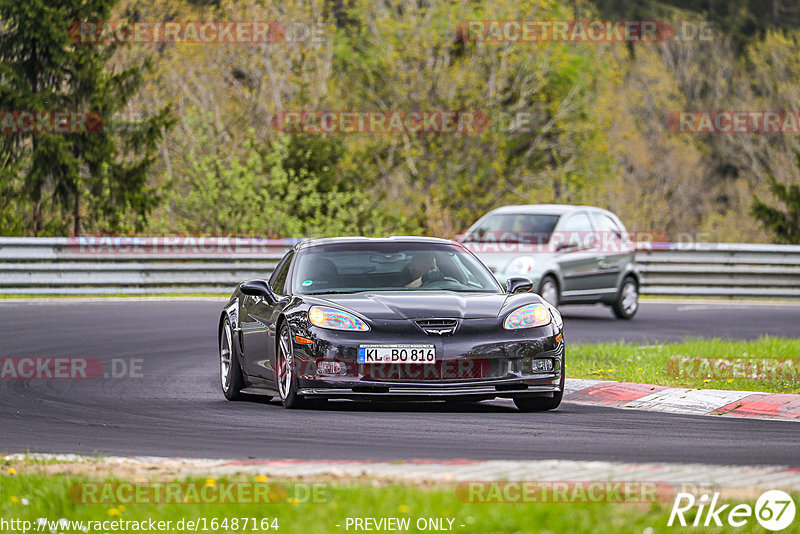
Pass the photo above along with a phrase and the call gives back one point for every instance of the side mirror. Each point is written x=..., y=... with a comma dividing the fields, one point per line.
x=258, y=288
x=518, y=284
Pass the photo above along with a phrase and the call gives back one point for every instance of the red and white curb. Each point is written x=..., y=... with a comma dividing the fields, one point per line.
x=684, y=400
x=717, y=477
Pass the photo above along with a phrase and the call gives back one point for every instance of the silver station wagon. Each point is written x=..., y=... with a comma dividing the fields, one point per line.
x=573, y=254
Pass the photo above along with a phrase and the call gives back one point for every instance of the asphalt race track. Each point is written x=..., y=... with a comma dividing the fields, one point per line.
x=175, y=408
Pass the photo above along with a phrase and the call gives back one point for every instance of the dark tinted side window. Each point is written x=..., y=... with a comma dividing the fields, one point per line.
x=278, y=279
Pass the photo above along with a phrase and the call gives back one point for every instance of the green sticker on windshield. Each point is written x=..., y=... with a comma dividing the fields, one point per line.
x=308, y=283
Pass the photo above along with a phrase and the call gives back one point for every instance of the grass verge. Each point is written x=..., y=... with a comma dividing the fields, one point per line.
x=27, y=497
x=769, y=364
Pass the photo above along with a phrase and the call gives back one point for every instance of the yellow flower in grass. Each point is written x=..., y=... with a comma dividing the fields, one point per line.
x=14, y=500
x=707, y=380
x=730, y=380
x=261, y=478
x=211, y=482
x=611, y=371
x=403, y=509
x=121, y=507
x=12, y=471
x=113, y=511
x=294, y=501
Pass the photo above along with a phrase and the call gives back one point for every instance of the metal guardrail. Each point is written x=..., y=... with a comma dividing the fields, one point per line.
x=720, y=270
x=64, y=266
x=102, y=266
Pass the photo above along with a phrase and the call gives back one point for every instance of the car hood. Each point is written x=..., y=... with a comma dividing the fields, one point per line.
x=390, y=305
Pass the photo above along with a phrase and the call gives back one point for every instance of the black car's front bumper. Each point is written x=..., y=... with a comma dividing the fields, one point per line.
x=477, y=362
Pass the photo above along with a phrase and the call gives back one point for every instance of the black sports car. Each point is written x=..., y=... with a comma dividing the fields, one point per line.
x=392, y=318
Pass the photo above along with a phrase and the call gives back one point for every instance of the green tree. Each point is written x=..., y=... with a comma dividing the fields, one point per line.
x=74, y=182
x=11, y=221
x=742, y=20
x=784, y=224
x=284, y=188
x=544, y=141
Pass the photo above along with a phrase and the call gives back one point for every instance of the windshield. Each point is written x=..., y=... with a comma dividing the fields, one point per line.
x=353, y=267
x=514, y=228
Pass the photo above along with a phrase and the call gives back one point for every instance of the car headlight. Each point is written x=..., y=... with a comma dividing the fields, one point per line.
x=334, y=319
x=527, y=317
x=522, y=265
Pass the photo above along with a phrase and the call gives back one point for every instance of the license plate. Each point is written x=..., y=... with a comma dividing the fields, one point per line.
x=396, y=354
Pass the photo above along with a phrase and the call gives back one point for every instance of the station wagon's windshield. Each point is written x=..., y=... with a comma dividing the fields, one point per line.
x=349, y=268
x=514, y=228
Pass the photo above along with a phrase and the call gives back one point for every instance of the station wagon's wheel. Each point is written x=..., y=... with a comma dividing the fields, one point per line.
x=627, y=302
x=285, y=370
x=548, y=290
x=230, y=373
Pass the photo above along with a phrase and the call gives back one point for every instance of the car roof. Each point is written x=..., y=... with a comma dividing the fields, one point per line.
x=544, y=209
x=358, y=239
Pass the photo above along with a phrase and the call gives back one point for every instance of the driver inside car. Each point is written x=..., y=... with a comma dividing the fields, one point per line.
x=420, y=269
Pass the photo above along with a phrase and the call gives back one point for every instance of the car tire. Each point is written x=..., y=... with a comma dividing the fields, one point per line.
x=285, y=375
x=549, y=286
x=626, y=304
x=231, y=377
x=543, y=404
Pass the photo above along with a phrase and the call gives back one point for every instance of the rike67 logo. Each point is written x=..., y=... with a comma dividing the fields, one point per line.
x=774, y=510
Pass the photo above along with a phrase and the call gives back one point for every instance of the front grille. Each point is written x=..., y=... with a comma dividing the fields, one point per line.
x=437, y=327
